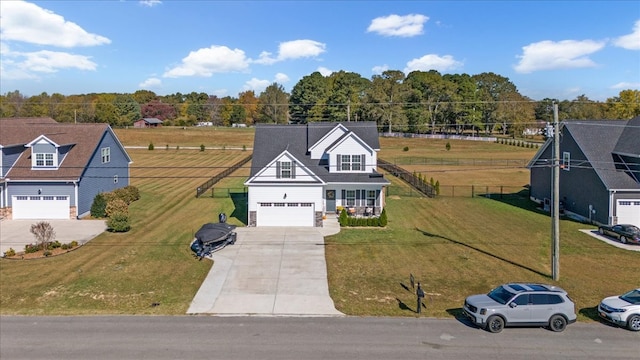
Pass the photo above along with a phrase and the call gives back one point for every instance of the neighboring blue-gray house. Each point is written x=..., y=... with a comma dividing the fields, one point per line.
x=51, y=170
x=600, y=171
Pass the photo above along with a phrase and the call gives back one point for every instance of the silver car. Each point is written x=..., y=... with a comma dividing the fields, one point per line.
x=521, y=304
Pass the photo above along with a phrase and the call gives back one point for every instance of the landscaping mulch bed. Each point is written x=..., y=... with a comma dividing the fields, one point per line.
x=40, y=254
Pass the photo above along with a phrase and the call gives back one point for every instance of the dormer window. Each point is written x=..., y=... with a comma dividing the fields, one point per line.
x=44, y=160
x=350, y=162
x=44, y=154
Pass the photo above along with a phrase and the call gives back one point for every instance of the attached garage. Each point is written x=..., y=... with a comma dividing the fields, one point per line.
x=628, y=212
x=40, y=207
x=285, y=214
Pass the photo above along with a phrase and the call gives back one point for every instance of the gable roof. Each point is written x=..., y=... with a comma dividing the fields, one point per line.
x=83, y=138
x=151, y=120
x=629, y=142
x=599, y=140
x=272, y=140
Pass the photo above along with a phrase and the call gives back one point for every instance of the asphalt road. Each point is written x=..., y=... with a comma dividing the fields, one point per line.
x=353, y=338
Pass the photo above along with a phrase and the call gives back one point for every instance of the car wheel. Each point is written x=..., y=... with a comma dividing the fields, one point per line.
x=557, y=323
x=495, y=324
x=634, y=323
x=623, y=239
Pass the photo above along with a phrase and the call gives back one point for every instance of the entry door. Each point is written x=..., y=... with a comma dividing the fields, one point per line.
x=330, y=200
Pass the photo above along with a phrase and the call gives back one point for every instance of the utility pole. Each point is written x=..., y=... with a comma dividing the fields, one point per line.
x=555, y=197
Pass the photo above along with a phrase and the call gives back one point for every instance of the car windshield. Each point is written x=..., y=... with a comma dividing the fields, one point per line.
x=501, y=295
x=632, y=297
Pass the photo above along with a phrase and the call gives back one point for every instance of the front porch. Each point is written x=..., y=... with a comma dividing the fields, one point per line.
x=360, y=211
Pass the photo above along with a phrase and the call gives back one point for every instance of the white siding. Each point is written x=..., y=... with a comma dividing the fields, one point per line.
x=319, y=148
x=351, y=146
x=301, y=173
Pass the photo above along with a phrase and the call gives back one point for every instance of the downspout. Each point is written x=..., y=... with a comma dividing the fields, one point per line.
x=6, y=193
x=611, y=194
x=75, y=190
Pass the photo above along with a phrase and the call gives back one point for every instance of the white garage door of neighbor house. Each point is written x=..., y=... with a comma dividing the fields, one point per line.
x=285, y=214
x=628, y=212
x=40, y=207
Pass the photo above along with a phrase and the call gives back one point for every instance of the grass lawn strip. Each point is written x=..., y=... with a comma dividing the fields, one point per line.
x=455, y=246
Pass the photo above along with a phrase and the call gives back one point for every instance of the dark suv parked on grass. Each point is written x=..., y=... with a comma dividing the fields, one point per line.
x=521, y=304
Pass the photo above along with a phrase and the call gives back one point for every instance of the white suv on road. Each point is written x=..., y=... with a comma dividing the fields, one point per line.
x=623, y=310
x=521, y=304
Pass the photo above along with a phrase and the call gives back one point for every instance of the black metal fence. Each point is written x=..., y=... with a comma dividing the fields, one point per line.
x=470, y=191
x=220, y=192
x=207, y=185
x=417, y=183
x=459, y=161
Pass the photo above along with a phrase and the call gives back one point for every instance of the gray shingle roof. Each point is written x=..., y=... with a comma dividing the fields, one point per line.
x=152, y=121
x=271, y=140
x=597, y=140
x=83, y=138
x=629, y=142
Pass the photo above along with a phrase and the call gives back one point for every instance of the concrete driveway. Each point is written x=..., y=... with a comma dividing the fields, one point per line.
x=612, y=241
x=17, y=233
x=270, y=271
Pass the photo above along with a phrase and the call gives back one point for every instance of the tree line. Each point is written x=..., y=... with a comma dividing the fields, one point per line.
x=420, y=102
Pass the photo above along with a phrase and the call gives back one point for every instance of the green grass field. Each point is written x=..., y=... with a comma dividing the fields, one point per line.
x=454, y=245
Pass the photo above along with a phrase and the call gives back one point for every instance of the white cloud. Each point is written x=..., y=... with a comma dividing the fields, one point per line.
x=294, y=49
x=150, y=83
x=549, y=55
x=630, y=41
x=27, y=22
x=150, y=3
x=50, y=61
x=282, y=78
x=626, y=85
x=256, y=85
x=207, y=61
x=396, y=25
x=27, y=65
x=377, y=70
x=324, y=71
x=433, y=62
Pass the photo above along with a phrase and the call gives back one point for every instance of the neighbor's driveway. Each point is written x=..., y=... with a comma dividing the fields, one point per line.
x=612, y=241
x=269, y=271
x=17, y=233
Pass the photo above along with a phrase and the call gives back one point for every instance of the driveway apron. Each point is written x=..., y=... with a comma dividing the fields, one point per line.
x=269, y=271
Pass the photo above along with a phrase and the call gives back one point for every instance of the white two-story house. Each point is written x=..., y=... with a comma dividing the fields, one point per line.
x=300, y=173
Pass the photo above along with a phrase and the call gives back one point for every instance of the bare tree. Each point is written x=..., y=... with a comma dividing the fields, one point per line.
x=43, y=231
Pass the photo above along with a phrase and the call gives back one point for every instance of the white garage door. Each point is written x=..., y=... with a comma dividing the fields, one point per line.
x=285, y=214
x=40, y=207
x=628, y=212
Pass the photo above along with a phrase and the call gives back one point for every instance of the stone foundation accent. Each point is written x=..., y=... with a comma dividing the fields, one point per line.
x=318, y=219
x=252, y=218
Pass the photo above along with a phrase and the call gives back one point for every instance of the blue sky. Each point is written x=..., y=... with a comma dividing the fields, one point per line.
x=548, y=49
